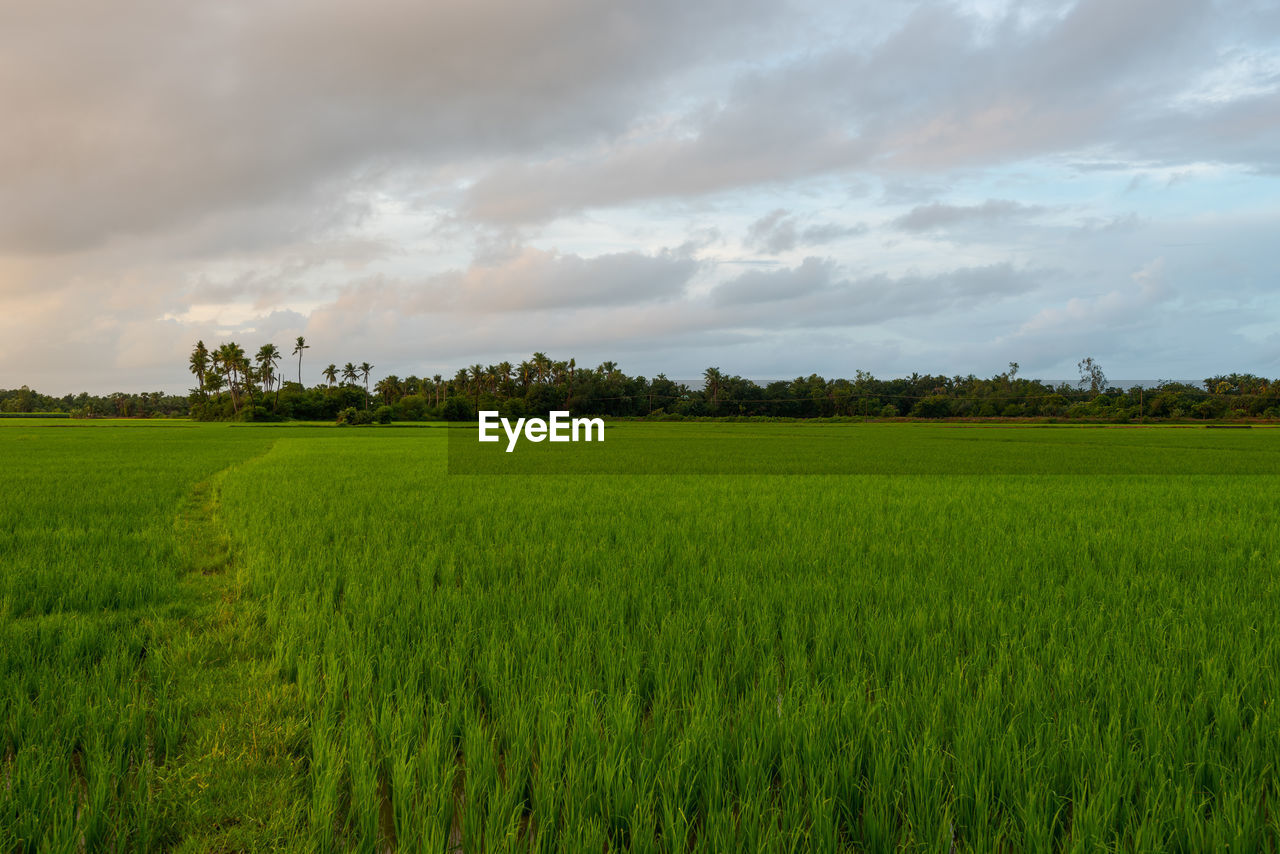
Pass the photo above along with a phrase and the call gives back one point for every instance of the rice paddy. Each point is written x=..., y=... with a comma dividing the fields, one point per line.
x=694, y=637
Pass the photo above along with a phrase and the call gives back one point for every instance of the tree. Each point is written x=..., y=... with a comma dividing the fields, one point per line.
x=713, y=378
x=476, y=376
x=298, y=346
x=365, y=369
x=541, y=364
x=231, y=358
x=331, y=374
x=1091, y=375
x=349, y=374
x=199, y=364
x=266, y=359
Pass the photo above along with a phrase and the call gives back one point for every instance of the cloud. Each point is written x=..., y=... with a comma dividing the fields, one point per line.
x=777, y=232
x=149, y=115
x=756, y=286
x=429, y=184
x=938, y=216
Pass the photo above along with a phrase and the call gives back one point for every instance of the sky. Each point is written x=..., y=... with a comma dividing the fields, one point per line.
x=772, y=188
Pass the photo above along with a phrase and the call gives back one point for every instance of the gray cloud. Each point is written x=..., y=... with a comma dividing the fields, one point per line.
x=152, y=114
x=757, y=286
x=938, y=215
x=778, y=231
x=389, y=179
x=1102, y=74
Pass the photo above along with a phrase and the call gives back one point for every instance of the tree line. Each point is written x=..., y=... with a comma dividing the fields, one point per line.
x=231, y=385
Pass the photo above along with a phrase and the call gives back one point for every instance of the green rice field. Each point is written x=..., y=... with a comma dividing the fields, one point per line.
x=694, y=637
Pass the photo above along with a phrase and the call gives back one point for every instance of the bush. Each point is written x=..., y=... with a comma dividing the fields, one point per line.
x=355, y=417
x=889, y=411
x=456, y=409
x=382, y=415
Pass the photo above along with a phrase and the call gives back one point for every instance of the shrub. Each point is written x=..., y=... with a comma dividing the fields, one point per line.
x=456, y=409
x=382, y=415
x=355, y=417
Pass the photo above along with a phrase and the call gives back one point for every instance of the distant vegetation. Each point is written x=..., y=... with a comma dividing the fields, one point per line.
x=232, y=386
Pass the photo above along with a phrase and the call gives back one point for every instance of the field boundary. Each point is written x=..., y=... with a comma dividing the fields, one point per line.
x=234, y=780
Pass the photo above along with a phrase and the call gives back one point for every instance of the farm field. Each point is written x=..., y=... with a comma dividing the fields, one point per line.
x=694, y=637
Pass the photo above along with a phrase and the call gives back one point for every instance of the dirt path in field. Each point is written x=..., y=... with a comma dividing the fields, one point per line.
x=236, y=779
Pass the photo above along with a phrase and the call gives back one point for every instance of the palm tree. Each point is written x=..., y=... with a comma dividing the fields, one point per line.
x=713, y=378
x=199, y=363
x=268, y=355
x=526, y=371
x=232, y=358
x=540, y=365
x=477, y=377
x=349, y=374
x=331, y=374
x=298, y=346
x=439, y=389
x=389, y=388
x=365, y=368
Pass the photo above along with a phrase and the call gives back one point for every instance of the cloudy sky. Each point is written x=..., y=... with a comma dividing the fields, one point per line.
x=773, y=188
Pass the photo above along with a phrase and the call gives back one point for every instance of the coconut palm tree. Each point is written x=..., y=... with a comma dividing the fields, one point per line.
x=541, y=364
x=233, y=362
x=331, y=374
x=199, y=364
x=350, y=374
x=439, y=389
x=365, y=369
x=266, y=359
x=713, y=378
x=298, y=346
x=477, y=375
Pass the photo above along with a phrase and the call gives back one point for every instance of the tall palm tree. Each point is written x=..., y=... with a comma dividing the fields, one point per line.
x=233, y=363
x=215, y=369
x=540, y=365
x=713, y=379
x=349, y=373
x=526, y=371
x=331, y=374
x=199, y=364
x=298, y=346
x=365, y=368
x=477, y=378
x=439, y=389
x=266, y=359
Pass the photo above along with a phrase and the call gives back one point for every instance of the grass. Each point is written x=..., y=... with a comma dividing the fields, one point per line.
x=234, y=638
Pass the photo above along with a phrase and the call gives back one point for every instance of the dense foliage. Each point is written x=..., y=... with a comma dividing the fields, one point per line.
x=232, y=386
